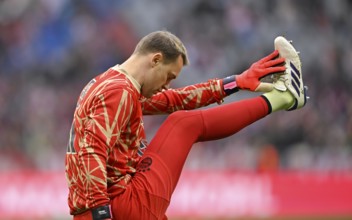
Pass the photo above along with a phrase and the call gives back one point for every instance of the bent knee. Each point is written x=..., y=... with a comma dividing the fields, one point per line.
x=185, y=115
x=188, y=121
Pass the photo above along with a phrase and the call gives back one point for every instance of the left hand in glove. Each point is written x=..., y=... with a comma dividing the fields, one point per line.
x=250, y=79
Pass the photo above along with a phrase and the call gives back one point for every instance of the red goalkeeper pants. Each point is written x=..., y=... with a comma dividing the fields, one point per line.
x=149, y=192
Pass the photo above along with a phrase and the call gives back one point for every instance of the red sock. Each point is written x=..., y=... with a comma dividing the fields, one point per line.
x=228, y=119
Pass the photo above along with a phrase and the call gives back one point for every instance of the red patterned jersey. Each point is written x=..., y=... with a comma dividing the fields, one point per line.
x=107, y=136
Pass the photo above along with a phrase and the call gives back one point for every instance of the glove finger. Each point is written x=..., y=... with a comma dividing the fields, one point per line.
x=264, y=87
x=273, y=70
x=276, y=62
x=270, y=70
x=271, y=56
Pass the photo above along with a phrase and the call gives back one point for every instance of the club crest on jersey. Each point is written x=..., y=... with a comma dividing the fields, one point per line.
x=144, y=165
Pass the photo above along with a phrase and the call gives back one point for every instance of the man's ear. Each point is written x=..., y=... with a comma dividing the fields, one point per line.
x=157, y=58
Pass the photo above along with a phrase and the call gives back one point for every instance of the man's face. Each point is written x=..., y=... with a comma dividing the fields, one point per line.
x=160, y=75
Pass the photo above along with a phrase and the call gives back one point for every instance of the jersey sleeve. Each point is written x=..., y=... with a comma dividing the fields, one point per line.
x=186, y=98
x=109, y=112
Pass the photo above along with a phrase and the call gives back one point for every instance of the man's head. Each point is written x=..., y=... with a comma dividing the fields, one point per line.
x=166, y=55
x=165, y=42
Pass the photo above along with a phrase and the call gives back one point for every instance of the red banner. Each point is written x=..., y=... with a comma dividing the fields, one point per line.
x=229, y=194
x=33, y=195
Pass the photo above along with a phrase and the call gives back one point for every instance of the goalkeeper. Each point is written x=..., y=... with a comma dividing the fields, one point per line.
x=113, y=173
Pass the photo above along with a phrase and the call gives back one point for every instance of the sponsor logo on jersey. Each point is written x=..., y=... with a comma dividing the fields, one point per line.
x=142, y=148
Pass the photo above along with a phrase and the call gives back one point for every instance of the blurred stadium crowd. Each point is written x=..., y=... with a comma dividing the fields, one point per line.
x=49, y=49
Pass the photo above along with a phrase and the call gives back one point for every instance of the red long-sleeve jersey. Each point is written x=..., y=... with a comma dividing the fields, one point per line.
x=107, y=136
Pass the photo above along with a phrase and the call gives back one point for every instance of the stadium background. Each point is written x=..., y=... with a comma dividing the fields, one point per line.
x=49, y=49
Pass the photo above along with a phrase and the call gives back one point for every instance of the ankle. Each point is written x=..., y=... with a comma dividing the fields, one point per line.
x=279, y=100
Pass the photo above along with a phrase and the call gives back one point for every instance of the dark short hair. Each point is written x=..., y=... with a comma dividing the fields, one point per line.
x=165, y=42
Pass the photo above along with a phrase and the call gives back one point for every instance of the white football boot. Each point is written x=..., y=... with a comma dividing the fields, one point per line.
x=291, y=79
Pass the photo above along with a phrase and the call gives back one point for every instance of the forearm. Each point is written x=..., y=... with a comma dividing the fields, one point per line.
x=92, y=157
x=186, y=98
x=94, y=178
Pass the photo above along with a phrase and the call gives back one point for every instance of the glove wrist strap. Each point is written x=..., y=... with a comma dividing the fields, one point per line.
x=101, y=213
x=230, y=85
